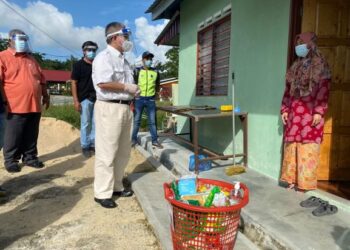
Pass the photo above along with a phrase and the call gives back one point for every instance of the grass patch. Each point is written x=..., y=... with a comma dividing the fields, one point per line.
x=161, y=116
x=65, y=113
x=68, y=114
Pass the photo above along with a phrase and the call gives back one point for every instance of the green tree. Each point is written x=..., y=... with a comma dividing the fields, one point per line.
x=171, y=67
x=3, y=44
x=44, y=62
x=39, y=57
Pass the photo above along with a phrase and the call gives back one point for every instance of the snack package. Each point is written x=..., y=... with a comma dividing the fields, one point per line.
x=196, y=197
x=203, y=187
x=220, y=200
x=187, y=185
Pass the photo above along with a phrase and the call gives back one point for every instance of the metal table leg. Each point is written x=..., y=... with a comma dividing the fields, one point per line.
x=194, y=134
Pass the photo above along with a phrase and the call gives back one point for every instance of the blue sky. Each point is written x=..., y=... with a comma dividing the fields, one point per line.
x=72, y=22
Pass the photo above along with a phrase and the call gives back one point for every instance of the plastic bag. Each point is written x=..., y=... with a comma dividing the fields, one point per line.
x=203, y=166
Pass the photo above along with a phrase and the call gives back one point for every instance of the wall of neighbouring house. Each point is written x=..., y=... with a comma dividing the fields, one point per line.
x=259, y=42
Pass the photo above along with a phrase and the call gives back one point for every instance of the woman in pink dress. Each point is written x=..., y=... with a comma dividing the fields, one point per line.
x=303, y=108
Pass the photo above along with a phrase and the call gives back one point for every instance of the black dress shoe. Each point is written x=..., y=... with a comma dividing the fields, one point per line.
x=35, y=164
x=106, y=203
x=124, y=193
x=13, y=168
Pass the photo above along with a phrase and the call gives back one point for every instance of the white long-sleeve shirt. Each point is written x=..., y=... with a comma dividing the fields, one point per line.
x=111, y=66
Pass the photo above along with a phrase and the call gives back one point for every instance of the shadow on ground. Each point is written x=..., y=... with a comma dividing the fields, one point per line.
x=38, y=201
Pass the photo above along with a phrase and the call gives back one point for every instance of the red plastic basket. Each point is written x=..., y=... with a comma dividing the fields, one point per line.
x=203, y=228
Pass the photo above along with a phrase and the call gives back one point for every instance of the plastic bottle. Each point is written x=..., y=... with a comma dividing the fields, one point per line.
x=210, y=198
x=236, y=189
x=175, y=190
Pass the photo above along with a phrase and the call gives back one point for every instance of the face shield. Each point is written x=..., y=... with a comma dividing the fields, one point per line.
x=21, y=43
x=126, y=33
x=90, y=51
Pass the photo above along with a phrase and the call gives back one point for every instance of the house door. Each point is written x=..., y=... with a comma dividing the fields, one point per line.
x=330, y=20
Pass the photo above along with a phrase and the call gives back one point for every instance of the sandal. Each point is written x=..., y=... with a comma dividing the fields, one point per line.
x=312, y=202
x=325, y=209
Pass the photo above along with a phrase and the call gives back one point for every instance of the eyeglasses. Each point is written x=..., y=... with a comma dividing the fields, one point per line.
x=93, y=50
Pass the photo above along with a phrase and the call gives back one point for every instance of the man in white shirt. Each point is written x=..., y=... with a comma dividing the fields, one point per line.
x=113, y=80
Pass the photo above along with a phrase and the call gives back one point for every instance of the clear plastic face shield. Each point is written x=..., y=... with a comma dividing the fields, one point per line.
x=21, y=43
x=90, y=51
x=126, y=33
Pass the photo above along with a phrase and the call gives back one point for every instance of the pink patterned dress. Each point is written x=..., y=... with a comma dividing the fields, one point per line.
x=300, y=114
x=306, y=94
x=301, y=140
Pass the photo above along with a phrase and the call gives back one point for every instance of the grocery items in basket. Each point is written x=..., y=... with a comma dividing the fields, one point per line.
x=192, y=191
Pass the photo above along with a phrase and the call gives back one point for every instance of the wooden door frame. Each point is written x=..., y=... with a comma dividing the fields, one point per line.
x=295, y=20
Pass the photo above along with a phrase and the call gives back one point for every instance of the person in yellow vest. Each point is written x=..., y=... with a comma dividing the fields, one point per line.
x=148, y=81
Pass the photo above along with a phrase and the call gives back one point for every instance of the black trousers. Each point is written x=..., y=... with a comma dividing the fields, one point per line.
x=21, y=136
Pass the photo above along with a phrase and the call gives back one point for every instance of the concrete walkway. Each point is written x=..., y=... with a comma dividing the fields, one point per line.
x=273, y=218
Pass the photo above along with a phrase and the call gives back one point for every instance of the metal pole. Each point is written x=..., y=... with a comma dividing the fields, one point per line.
x=233, y=120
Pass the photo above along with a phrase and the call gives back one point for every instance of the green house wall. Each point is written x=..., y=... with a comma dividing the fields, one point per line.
x=258, y=57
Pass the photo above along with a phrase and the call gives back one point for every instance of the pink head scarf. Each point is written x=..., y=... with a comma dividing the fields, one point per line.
x=307, y=72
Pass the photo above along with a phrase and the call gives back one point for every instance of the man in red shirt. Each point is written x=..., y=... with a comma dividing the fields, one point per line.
x=24, y=90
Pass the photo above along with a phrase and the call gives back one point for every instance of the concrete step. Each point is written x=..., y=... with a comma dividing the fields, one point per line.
x=273, y=218
x=173, y=156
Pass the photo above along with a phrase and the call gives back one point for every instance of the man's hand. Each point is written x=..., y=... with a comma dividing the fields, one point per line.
x=132, y=89
x=316, y=120
x=284, y=117
x=77, y=106
x=138, y=92
x=46, y=101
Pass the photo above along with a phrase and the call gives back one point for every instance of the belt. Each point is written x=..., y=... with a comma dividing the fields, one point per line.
x=126, y=102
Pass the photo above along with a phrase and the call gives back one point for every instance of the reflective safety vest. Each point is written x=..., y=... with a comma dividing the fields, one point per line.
x=147, y=80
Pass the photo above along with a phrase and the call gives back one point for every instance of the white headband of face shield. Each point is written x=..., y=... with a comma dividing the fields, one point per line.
x=124, y=32
x=20, y=37
x=90, y=47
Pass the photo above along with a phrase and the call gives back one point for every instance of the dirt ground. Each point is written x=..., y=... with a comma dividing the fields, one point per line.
x=53, y=208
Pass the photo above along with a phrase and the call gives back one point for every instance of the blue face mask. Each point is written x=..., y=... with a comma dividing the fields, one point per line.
x=148, y=63
x=90, y=54
x=21, y=46
x=301, y=50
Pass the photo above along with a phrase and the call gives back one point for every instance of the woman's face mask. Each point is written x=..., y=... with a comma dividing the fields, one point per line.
x=301, y=50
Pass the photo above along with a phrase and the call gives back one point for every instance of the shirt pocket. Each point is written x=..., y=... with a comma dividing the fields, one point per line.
x=118, y=75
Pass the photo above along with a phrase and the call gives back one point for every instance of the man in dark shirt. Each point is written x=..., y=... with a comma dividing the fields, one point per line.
x=84, y=97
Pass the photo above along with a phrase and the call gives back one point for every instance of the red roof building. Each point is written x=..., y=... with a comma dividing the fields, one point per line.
x=56, y=76
x=58, y=81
